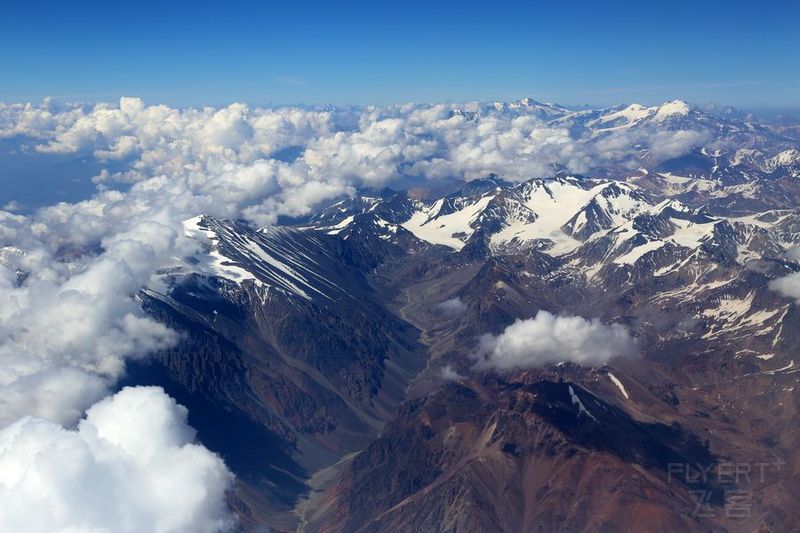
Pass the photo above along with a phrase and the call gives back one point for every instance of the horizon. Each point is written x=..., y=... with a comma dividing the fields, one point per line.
x=711, y=107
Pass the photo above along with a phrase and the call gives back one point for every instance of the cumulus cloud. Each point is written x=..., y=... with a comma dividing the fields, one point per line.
x=226, y=154
x=66, y=328
x=788, y=286
x=793, y=254
x=131, y=465
x=549, y=338
x=616, y=148
x=449, y=373
x=452, y=307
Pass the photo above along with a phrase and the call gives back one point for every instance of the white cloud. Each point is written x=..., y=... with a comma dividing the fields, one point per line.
x=452, y=307
x=793, y=254
x=225, y=154
x=131, y=465
x=451, y=374
x=669, y=144
x=549, y=338
x=66, y=331
x=788, y=286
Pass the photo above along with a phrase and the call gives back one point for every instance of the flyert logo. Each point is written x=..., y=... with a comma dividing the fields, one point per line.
x=720, y=473
x=735, y=478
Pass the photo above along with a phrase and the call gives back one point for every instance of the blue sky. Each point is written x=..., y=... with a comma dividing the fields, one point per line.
x=180, y=53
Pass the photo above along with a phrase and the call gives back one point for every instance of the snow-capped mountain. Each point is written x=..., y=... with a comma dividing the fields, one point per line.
x=635, y=135
x=334, y=358
x=281, y=259
x=563, y=216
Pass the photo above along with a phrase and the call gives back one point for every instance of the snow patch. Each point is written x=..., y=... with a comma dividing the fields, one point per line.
x=619, y=385
x=581, y=408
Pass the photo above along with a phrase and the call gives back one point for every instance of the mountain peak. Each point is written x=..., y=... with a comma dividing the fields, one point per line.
x=670, y=109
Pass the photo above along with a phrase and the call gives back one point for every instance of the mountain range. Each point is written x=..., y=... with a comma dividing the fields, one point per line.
x=338, y=362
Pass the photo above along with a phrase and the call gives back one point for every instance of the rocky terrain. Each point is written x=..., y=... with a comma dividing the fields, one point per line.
x=335, y=361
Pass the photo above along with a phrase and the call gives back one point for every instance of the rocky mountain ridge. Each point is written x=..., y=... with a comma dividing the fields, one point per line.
x=332, y=361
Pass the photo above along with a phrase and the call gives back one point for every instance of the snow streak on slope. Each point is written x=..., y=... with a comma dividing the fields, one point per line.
x=279, y=258
x=619, y=385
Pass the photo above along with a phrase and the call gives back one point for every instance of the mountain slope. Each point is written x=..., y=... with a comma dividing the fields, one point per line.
x=332, y=361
